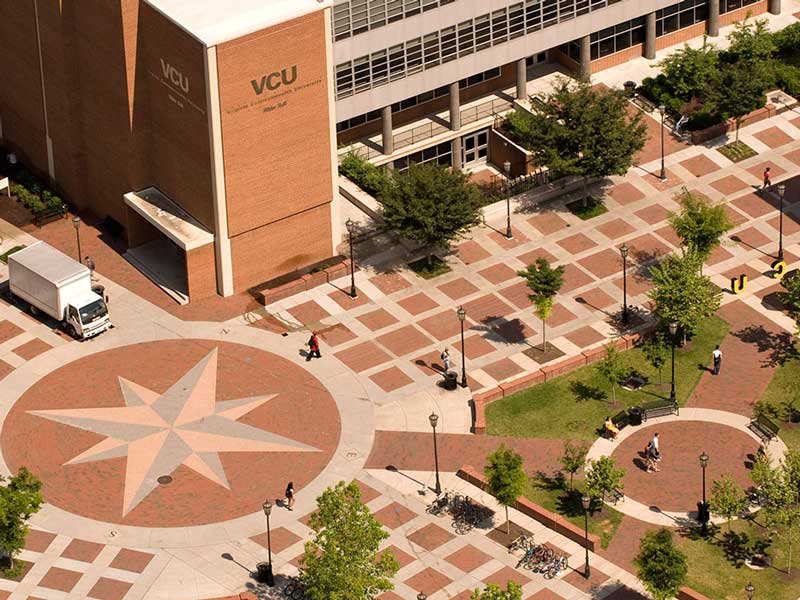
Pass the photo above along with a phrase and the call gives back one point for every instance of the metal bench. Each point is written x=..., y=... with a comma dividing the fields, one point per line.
x=764, y=428
x=617, y=495
x=49, y=214
x=620, y=420
x=659, y=408
x=643, y=103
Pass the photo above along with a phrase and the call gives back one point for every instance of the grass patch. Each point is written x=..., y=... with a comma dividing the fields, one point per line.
x=716, y=566
x=5, y=255
x=430, y=270
x=585, y=211
x=736, y=151
x=553, y=493
x=575, y=405
x=781, y=389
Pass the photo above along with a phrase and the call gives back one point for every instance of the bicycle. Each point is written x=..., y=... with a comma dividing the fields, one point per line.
x=294, y=590
x=556, y=566
x=440, y=505
x=523, y=542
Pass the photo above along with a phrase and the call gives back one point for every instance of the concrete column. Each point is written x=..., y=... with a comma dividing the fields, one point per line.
x=586, y=59
x=774, y=7
x=386, y=138
x=456, y=150
x=455, y=106
x=712, y=25
x=522, y=80
x=650, y=36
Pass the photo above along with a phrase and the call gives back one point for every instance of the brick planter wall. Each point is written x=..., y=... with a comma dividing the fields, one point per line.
x=304, y=282
x=687, y=593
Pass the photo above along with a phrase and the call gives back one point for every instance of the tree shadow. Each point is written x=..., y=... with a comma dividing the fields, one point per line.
x=777, y=347
x=502, y=331
x=584, y=392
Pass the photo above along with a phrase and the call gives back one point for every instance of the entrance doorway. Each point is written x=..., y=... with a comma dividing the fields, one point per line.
x=475, y=148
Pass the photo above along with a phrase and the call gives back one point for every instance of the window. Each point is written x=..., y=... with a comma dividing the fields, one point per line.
x=681, y=15
x=516, y=20
x=380, y=68
x=729, y=5
x=448, y=44
x=466, y=40
x=414, y=56
x=441, y=154
x=431, y=49
x=499, y=27
x=483, y=32
x=612, y=39
x=359, y=16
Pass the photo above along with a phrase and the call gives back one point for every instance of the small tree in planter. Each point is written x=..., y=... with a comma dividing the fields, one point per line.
x=506, y=478
x=603, y=477
x=738, y=90
x=700, y=224
x=660, y=565
x=613, y=369
x=727, y=498
x=656, y=351
x=493, y=591
x=573, y=458
x=20, y=498
x=544, y=282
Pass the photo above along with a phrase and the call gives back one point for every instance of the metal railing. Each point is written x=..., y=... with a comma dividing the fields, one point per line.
x=484, y=110
x=418, y=134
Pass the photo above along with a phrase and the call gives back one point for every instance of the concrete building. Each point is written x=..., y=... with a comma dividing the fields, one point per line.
x=206, y=131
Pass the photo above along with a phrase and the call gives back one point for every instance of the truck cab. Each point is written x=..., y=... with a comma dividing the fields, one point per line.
x=86, y=316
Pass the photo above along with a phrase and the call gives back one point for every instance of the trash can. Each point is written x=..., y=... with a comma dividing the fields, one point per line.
x=629, y=87
x=450, y=380
x=635, y=415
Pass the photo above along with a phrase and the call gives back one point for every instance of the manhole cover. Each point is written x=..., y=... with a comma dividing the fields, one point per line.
x=164, y=479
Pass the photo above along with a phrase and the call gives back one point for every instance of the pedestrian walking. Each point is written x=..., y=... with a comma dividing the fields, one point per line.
x=290, y=495
x=90, y=265
x=717, y=354
x=767, y=178
x=655, y=446
x=651, y=457
x=446, y=360
x=313, y=347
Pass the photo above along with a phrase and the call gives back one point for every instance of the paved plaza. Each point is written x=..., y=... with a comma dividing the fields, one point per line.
x=158, y=441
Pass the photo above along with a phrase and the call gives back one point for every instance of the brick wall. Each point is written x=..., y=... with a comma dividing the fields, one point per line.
x=138, y=230
x=618, y=58
x=680, y=36
x=758, y=8
x=201, y=275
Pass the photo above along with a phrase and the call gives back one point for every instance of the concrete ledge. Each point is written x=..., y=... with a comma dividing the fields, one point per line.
x=315, y=279
x=564, y=366
x=285, y=290
x=521, y=383
x=547, y=518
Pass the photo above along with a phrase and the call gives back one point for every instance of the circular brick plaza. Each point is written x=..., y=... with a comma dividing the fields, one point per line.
x=677, y=487
x=172, y=433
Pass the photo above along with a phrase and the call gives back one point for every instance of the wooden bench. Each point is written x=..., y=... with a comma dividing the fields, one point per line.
x=617, y=495
x=49, y=214
x=764, y=428
x=659, y=408
x=620, y=420
x=644, y=103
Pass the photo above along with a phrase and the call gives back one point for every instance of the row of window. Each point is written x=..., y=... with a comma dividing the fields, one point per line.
x=729, y=5
x=450, y=43
x=357, y=16
x=441, y=154
x=680, y=16
x=418, y=99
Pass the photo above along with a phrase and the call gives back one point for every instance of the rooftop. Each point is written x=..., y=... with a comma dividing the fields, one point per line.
x=214, y=22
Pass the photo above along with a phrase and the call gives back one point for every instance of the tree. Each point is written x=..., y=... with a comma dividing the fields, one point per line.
x=493, y=591
x=20, y=498
x=681, y=294
x=573, y=458
x=580, y=130
x=613, y=369
x=737, y=90
x=751, y=42
x=700, y=224
x=656, y=351
x=779, y=491
x=602, y=477
x=505, y=476
x=544, y=282
x=660, y=565
x=727, y=498
x=342, y=562
x=687, y=70
x=791, y=298
x=431, y=205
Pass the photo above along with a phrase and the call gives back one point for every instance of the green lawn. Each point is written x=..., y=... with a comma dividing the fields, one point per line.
x=593, y=208
x=428, y=271
x=737, y=151
x=779, y=389
x=575, y=405
x=716, y=568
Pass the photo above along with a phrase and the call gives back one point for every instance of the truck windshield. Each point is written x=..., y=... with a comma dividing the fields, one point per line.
x=93, y=311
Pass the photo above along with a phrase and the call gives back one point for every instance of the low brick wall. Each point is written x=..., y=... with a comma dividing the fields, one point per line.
x=687, y=593
x=549, y=519
x=546, y=373
x=304, y=282
x=703, y=135
x=242, y=596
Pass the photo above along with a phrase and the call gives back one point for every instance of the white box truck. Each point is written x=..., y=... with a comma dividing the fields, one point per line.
x=55, y=284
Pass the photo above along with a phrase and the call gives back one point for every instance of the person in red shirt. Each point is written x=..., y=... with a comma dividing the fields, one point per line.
x=767, y=179
x=313, y=347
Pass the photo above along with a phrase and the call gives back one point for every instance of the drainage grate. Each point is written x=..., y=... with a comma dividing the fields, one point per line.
x=164, y=480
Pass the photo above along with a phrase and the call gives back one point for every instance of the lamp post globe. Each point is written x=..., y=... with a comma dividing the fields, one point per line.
x=422, y=596
x=750, y=589
x=462, y=315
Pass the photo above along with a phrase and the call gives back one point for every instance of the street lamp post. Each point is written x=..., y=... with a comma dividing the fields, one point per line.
x=350, y=228
x=673, y=329
x=624, y=252
x=586, y=501
x=507, y=169
x=422, y=596
x=662, y=109
x=265, y=569
x=76, y=223
x=434, y=419
x=750, y=589
x=462, y=314
x=781, y=192
x=704, y=512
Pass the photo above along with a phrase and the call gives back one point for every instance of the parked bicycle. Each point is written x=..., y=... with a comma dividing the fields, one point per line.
x=440, y=505
x=466, y=514
x=295, y=590
x=523, y=542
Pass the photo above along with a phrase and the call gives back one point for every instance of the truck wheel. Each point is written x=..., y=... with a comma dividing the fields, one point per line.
x=71, y=330
x=34, y=312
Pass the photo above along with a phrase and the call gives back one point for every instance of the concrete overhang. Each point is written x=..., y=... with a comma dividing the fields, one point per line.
x=169, y=218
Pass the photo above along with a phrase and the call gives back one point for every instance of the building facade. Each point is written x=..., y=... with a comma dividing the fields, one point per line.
x=207, y=131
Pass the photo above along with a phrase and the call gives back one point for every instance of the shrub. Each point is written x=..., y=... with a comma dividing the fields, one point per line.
x=364, y=174
x=659, y=90
x=702, y=119
x=787, y=40
x=787, y=78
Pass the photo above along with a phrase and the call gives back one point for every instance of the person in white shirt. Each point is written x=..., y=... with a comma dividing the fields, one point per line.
x=657, y=450
x=717, y=354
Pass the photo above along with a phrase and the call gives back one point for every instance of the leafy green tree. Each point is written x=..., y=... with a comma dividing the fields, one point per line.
x=505, y=476
x=660, y=565
x=20, y=498
x=689, y=69
x=727, y=498
x=656, y=351
x=342, y=562
x=580, y=130
x=493, y=591
x=573, y=458
x=603, y=477
x=737, y=90
x=791, y=298
x=544, y=282
x=751, y=42
x=700, y=224
x=431, y=205
x=681, y=294
x=613, y=369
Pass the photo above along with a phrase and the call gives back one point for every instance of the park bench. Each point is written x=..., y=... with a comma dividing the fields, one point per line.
x=764, y=428
x=49, y=214
x=620, y=420
x=659, y=408
x=617, y=495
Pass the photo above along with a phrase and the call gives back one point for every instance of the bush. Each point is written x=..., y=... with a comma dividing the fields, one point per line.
x=787, y=78
x=702, y=119
x=658, y=90
x=364, y=174
x=787, y=40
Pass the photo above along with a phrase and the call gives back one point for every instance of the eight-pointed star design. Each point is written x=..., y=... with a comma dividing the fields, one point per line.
x=184, y=425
